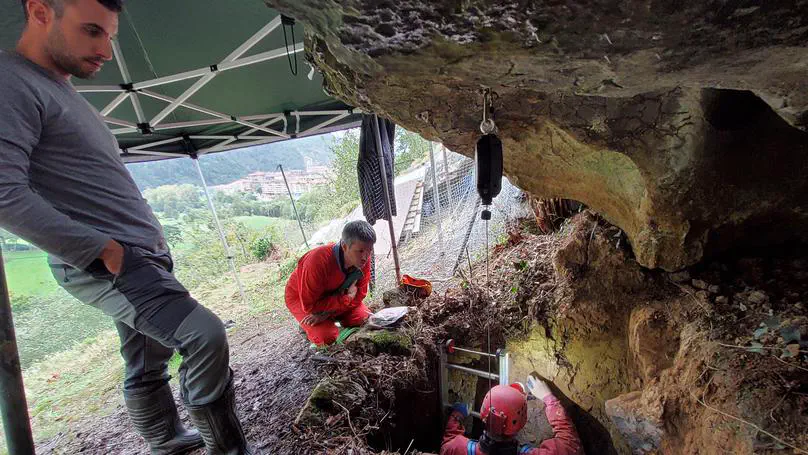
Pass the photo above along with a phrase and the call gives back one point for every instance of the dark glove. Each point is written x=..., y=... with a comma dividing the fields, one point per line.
x=461, y=408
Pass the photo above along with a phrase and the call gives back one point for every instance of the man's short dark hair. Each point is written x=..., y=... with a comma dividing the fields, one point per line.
x=358, y=230
x=59, y=5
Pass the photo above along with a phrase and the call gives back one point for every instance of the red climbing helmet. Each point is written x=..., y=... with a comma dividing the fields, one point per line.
x=504, y=410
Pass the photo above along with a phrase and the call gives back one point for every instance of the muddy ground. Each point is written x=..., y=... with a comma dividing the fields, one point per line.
x=713, y=360
x=274, y=374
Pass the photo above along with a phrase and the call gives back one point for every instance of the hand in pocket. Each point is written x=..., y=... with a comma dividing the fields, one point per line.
x=112, y=257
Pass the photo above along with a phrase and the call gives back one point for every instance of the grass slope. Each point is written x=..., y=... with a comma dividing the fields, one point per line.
x=87, y=378
x=28, y=273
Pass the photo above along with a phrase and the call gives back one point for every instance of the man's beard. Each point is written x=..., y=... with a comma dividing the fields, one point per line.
x=61, y=56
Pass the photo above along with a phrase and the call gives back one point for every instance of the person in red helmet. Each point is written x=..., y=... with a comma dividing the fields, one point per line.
x=504, y=412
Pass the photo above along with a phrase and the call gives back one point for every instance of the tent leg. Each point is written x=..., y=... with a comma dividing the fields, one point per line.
x=13, y=406
x=294, y=207
x=219, y=228
x=387, y=197
x=436, y=194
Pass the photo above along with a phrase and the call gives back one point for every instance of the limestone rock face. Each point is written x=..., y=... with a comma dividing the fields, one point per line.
x=682, y=123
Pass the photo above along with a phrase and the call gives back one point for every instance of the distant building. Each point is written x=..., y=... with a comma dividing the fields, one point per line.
x=270, y=185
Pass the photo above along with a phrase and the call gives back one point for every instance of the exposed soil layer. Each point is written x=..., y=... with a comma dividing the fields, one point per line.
x=708, y=361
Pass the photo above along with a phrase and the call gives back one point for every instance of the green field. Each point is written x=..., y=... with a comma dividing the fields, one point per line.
x=28, y=273
x=289, y=228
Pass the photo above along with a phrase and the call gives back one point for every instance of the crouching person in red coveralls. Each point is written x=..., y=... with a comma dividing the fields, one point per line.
x=504, y=412
x=330, y=282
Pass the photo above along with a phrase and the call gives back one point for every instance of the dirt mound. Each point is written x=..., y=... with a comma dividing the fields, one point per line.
x=710, y=360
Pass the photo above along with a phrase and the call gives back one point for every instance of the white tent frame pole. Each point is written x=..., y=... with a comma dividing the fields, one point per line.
x=119, y=122
x=211, y=112
x=252, y=130
x=316, y=113
x=168, y=126
x=436, y=194
x=153, y=153
x=115, y=103
x=258, y=58
x=221, y=148
x=231, y=146
x=252, y=41
x=155, y=144
x=324, y=124
x=220, y=137
x=262, y=57
x=230, y=59
x=127, y=79
x=222, y=237
x=99, y=89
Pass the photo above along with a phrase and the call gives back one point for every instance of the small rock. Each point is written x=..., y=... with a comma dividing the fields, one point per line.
x=742, y=306
x=640, y=426
x=757, y=297
x=700, y=284
x=713, y=289
x=721, y=300
x=793, y=349
x=688, y=289
x=320, y=404
x=702, y=296
x=394, y=297
x=680, y=277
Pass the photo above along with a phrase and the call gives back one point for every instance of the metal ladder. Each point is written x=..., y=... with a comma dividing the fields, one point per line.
x=503, y=362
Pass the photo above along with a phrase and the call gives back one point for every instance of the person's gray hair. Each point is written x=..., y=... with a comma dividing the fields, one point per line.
x=358, y=230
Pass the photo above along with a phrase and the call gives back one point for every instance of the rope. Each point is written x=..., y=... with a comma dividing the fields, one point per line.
x=488, y=332
x=294, y=49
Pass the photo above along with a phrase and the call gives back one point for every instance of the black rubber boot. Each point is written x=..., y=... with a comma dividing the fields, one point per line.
x=154, y=416
x=219, y=425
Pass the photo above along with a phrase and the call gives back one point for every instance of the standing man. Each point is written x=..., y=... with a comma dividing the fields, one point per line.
x=330, y=282
x=64, y=188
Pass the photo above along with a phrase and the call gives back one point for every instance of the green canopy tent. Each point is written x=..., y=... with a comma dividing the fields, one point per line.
x=188, y=78
x=203, y=76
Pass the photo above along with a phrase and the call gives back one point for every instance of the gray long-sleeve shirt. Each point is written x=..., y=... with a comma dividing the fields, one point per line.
x=63, y=186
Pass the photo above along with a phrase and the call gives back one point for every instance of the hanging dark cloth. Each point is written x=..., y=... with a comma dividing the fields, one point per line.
x=370, y=176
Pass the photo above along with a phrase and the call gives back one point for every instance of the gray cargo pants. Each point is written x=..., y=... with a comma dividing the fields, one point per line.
x=155, y=315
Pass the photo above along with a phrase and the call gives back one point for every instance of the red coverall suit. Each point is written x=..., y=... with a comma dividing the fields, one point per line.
x=565, y=442
x=309, y=290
